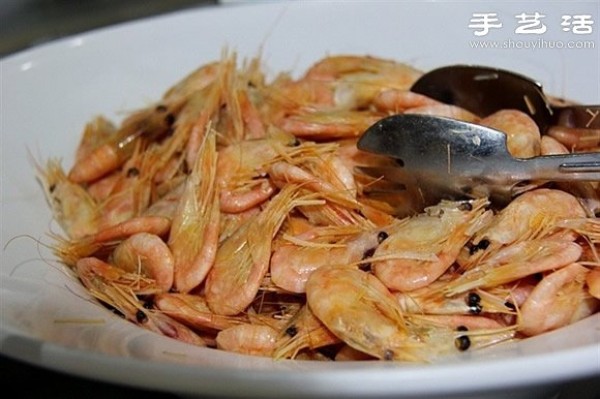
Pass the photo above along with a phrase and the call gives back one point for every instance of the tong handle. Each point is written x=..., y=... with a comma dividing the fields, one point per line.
x=579, y=166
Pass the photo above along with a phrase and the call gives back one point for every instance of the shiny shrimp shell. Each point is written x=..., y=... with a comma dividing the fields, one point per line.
x=420, y=249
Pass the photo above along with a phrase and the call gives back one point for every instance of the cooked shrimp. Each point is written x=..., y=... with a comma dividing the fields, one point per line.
x=359, y=79
x=532, y=215
x=230, y=222
x=202, y=111
x=129, y=196
x=158, y=225
x=254, y=127
x=287, y=96
x=98, y=275
x=292, y=263
x=73, y=208
x=167, y=326
x=194, y=234
x=517, y=261
x=282, y=173
x=195, y=81
x=522, y=133
x=243, y=258
x=101, y=189
x=395, y=101
x=550, y=146
x=95, y=133
x=149, y=124
x=146, y=254
x=251, y=339
x=420, y=249
x=471, y=331
x=554, y=300
x=445, y=110
x=166, y=206
x=359, y=309
x=471, y=322
x=241, y=168
x=193, y=311
x=329, y=125
x=242, y=119
x=118, y=288
x=575, y=138
x=432, y=300
x=233, y=213
x=70, y=251
x=303, y=331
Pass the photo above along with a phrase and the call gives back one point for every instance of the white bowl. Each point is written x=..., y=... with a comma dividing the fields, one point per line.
x=50, y=92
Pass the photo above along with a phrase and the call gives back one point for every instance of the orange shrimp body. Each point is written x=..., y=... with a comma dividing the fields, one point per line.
x=360, y=310
x=193, y=311
x=420, y=249
x=73, y=207
x=523, y=135
x=243, y=258
x=292, y=264
x=531, y=215
x=553, y=303
x=149, y=123
x=194, y=233
x=258, y=340
x=146, y=254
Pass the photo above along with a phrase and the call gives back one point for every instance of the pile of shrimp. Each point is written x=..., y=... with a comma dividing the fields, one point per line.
x=230, y=214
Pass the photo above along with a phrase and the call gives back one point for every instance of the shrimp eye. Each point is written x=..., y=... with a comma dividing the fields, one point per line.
x=133, y=172
x=483, y=244
x=368, y=253
x=462, y=343
x=465, y=206
x=475, y=309
x=170, y=119
x=473, y=301
x=148, y=304
x=291, y=331
x=366, y=266
x=382, y=236
x=141, y=317
x=510, y=305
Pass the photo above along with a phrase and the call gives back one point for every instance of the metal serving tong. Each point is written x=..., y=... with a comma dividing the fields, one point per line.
x=445, y=158
x=484, y=90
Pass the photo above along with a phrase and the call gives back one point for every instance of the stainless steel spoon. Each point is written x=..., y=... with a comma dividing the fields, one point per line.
x=484, y=90
x=448, y=158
